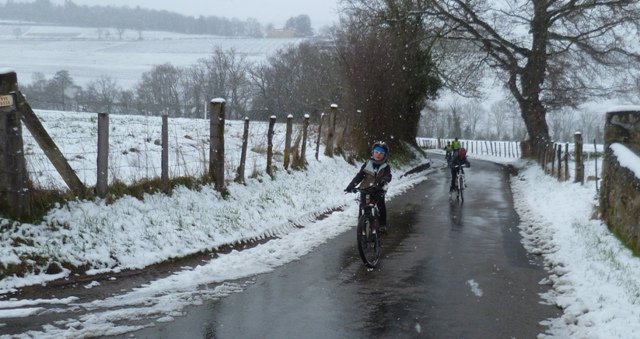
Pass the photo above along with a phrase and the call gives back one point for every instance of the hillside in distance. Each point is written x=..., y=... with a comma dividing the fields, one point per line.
x=88, y=53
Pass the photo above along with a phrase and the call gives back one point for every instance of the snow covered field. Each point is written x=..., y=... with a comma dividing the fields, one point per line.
x=48, y=49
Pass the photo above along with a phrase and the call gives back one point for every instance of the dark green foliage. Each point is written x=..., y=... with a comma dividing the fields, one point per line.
x=390, y=76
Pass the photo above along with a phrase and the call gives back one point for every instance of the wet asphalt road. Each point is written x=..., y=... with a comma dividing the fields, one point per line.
x=448, y=271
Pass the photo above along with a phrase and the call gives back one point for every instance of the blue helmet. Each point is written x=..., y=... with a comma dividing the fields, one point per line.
x=382, y=147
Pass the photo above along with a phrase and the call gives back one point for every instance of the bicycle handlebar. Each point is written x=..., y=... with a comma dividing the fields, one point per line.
x=370, y=189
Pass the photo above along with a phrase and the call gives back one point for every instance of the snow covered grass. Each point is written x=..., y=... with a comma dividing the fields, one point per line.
x=594, y=276
x=131, y=233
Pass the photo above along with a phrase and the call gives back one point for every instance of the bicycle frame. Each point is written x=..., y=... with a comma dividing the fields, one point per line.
x=370, y=206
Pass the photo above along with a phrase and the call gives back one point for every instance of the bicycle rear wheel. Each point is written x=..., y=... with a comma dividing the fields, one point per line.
x=368, y=242
x=460, y=185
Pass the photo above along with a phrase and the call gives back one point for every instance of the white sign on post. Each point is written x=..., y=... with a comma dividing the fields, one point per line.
x=6, y=100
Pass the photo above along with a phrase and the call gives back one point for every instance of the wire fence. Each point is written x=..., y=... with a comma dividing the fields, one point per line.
x=135, y=147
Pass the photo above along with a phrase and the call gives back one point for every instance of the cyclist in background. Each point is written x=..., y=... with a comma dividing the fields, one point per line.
x=459, y=159
x=456, y=145
x=448, y=152
x=375, y=171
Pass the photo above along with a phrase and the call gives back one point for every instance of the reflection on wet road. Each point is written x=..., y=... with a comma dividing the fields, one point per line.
x=448, y=271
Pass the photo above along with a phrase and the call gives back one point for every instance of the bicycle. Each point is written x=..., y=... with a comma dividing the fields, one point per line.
x=367, y=235
x=460, y=183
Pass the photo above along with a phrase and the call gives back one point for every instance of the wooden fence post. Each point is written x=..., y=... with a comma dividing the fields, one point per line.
x=540, y=156
x=287, y=142
x=272, y=124
x=566, y=161
x=319, y=134
x=14, y=178
x=595, y=155
x=102, y=183
x=164, y=162
x=243, y=155
x=552, y=157
x=544, y=158
x=303, y=149
x=579, y=163
x=216, y=150
x=48, y=146
x=558, y=148
x=332, y=130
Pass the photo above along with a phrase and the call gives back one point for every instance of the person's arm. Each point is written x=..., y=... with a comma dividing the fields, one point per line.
x=357, y=179
x=387, y=174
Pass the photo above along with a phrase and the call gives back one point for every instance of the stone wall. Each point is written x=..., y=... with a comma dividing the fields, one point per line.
x=620, y=193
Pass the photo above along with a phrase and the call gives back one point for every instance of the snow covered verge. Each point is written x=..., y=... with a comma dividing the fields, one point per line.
x=593, y=275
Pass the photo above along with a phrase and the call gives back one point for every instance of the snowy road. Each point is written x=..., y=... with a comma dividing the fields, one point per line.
x=449, y=271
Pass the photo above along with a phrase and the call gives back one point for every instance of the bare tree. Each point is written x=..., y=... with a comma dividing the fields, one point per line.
x=225, y=74
x=101, y=95
x=120, y=31
x=301, y=25
x=300, y=79
x=590, y=123
x=17, y=32
x=472, y=113
x=455, y=120
x=549, y=53
x=498, y=119
x=58, y=87
x=158, y=91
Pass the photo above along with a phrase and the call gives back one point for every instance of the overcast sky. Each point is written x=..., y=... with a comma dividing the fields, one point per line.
x=321, y=12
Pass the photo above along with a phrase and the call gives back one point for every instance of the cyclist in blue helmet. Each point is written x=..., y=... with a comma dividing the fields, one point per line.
x=375, y=171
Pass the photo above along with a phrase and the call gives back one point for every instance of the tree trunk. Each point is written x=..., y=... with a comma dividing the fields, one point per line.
x=531, y=82
x=534, y=116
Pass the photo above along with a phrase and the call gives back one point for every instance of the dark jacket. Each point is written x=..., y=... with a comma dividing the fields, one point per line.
x=457, y=160
x=371, y=174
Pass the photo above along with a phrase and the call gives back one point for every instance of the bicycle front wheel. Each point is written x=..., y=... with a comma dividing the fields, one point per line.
x=368, y=242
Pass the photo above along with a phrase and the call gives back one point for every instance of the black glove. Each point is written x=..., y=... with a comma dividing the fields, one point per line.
x=468, y=165
x=350, y=188
x=381, y=183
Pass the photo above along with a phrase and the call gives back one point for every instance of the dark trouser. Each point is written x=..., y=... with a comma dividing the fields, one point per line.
x=382, y=205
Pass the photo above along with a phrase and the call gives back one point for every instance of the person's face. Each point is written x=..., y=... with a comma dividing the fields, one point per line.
x=378, y=156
